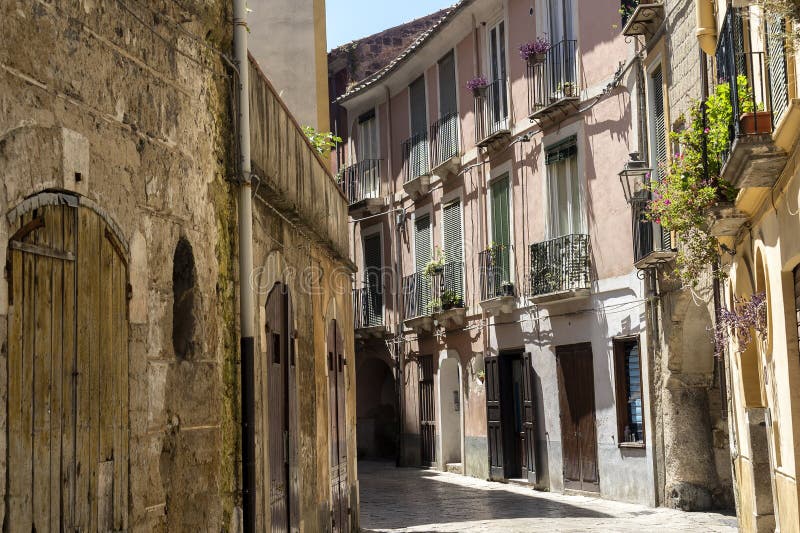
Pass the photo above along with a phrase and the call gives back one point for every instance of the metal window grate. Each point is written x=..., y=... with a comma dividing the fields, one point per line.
x=560, y=264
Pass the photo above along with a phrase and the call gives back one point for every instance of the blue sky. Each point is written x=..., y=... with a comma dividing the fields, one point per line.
x=353, y=19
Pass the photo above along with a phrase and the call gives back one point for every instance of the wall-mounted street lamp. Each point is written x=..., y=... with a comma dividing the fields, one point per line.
x=635, y=179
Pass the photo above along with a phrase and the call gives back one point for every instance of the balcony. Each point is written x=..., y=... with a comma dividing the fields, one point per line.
x=491, y=116
x=652, y=244
x=416, y=165
x=361, y=184
x=435, y=298
x=498, y=294
x=553, y=89
x=560, y=269
x=368, y=313
x=445, y=144
x=645, y=20
x=760, y=84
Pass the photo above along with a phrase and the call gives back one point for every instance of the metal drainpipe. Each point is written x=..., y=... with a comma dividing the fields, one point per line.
x=246, y=297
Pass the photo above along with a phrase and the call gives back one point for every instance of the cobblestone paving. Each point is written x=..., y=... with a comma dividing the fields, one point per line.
x=414, y=500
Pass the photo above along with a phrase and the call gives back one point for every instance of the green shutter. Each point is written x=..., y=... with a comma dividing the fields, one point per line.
x=373, y=296
x=660, y=146
x=501, y=226
x=453, y=248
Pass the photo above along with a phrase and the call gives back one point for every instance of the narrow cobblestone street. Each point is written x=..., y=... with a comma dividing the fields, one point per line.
x=416, y=500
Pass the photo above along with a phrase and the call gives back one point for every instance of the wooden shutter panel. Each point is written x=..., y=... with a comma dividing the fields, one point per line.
x=494, y=430
x=660, y=146
x=373, y=264
x=453, y=247
x=447, y=85
x=529, y=417
x=776, y=28
x=422, y=242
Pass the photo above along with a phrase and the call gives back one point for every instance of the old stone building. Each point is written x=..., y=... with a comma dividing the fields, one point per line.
x=120, y=374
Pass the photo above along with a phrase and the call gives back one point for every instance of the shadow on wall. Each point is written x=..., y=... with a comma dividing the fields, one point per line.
x=376, y=410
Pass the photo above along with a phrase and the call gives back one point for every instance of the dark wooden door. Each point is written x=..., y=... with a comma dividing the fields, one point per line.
x=494, y=430
x=427, y=410
x=340, y=503
x=578, y=429
x=528, y=419
x=283, y=486
x=67, y=373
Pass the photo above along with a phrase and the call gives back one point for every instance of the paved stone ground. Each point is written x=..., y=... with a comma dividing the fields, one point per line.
x=415, y=500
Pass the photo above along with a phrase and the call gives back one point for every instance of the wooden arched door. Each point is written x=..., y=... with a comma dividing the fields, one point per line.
x=67, y=372
x=340, y=495
x=282, y=427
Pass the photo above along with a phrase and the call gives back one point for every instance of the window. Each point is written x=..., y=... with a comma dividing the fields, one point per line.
x=423, y=253
x=497, y=67
x=628, y=374
x=184, y=277
x=453, y=248
x=373, y=286
x=367, y=145
x=564, y=184
x=560, y=20
x=501, y=228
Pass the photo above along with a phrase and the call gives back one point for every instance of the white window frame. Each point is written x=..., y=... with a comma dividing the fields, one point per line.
x=569, y=131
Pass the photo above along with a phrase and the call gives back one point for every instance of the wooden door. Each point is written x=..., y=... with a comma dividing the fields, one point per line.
x=494, y=423
x=68, y=373
x=283, y=486
x=427, y=411
x=340, y=494
x=578, y=429
x=528, y=419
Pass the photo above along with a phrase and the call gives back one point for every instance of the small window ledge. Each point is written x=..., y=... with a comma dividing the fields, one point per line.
x=634, y=445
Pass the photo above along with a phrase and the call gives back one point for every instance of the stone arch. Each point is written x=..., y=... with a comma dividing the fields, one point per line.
x=451, y=408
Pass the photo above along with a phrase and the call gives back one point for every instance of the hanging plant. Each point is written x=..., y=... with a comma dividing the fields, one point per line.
x=478, y=86
x=535, y=52
x=747, y=315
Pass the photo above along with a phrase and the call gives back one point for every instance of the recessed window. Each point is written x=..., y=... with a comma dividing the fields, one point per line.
x=184, y=318
x=628, y=371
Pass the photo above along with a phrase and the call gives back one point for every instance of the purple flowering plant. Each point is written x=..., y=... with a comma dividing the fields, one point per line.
x=747, y=315
x=477, y=82
x=540, y=45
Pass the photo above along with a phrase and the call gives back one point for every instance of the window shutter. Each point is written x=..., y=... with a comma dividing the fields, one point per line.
x=422, y=242
x=372, y=258
x=373, y=264
x=660, y=147
x=453, y=247
x=776, y=29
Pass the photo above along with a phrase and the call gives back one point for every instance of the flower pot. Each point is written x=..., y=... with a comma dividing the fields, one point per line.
x=508, y=290
x=537, y=59
x=758, y=122
x=438, y=269
x=479, y=92
x=448, y=305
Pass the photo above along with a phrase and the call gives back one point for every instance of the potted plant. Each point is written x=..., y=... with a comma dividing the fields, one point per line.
x=535, y=52
x=451, y=300
x=507, y=288
x=481, y=375
x=478, y=86
x=434, y=305
x=753, y=118
x=436, y=265
x=569, y=89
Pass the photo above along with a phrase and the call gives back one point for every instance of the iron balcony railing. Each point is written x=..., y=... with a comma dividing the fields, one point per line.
x=560, y=265
x=415, y=156
x=361, y=180
x=444, y=139
x=495, y=272
x=757, y=79
x=648, y=236
x=367, y=307
x=554, y=79
x=426, y=294
x=491, y=110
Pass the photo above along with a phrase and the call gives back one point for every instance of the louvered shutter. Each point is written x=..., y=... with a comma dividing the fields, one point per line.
x=776, y=29
x=453, y=248
x=423, y=251
x=501, y=227
x=660, y=152
x=372, y=279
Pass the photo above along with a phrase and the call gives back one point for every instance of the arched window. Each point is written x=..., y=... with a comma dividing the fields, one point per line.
x=184, y=281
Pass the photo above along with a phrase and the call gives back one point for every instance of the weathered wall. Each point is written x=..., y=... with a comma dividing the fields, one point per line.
x=148, y=130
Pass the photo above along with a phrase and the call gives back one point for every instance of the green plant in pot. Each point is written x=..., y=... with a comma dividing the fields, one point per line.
x=434, y=305
x=507, y=287
x=436, y=265
x=450, y=300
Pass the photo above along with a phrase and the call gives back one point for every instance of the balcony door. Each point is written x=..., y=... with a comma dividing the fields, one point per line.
x=418, y=158
x=501, y=231
x=561, y=30
x=453, y=248
x=367, y=154
x=498, y=104
x=564, y=186
x=423, y=253
x=445, y=141
x=373, y=287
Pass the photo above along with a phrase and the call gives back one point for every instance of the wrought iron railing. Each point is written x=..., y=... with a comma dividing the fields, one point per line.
x=361, y=180
x=555, y=78
x=495, y=271
x=444, y=139
x=757, y=79
x=491, y=110
x=560, y=265
x=428, y=294
x=415, y=156
x=367, y=307
x=648, y=236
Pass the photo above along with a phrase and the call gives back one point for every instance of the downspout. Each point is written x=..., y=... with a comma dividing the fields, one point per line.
x=706, y=26
x=246, y=299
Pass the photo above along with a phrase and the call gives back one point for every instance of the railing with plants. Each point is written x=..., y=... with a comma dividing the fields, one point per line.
x=560, y=265
x=361, y=180
x=491, y=108
x=648, y=236
x=495, y=272
x=552, y=75
x=438, y=287
x=415, y=156
x=444, y=139
x=367, y=307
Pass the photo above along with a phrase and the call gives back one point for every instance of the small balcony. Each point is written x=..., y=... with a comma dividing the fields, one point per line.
x=652, y=244
x=553, y=89
x=759, y=97
x=438, y=297
x=491, y=116
x=368, y=313
x=361, y=184
x=645, y=20
x=560, y=269
x=416, y=165
x=445, y=145
x=498, y=293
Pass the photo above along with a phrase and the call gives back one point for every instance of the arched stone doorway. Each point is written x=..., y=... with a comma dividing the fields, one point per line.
x=376, y=409
x=450, y=409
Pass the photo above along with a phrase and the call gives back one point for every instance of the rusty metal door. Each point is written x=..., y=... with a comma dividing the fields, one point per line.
x=427, y=410
x=283, y=486
x=67, y=373
x=528, y=419
x=578, y=429
x=340, y=494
